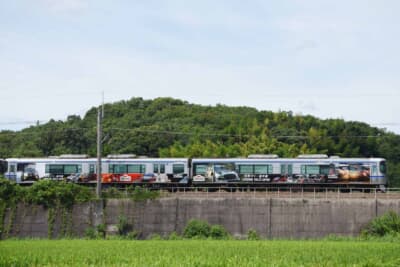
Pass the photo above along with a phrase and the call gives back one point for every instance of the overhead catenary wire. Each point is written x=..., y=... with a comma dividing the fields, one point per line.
x=168, y=132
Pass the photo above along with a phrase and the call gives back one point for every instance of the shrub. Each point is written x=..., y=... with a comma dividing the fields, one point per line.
x=155, y=237
x=10, y=191
x=50, y=193
x=140, y=194
x=90, y=233
x=387, y=224
x=43, y=193
x=101, y=230
x=174, y=236
x=218, y=232
x=197, y=228
x=133, y=235
x=123, y=226
x=112, y=192
x=252, y=235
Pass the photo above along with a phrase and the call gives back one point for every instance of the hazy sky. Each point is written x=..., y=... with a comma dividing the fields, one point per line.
x=330, y=59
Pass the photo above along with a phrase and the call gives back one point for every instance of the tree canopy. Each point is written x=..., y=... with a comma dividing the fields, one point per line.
x=167, y=127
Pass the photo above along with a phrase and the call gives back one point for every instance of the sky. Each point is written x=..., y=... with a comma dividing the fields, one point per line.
x=326, y=58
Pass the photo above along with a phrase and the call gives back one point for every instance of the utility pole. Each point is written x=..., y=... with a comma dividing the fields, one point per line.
x=99, y=148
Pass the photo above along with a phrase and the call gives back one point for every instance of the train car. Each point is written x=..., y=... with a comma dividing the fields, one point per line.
x=256, y=169
x=3, y=166
x=128, y=170
x=28, y=170
x=305, y=169
x=81, y=169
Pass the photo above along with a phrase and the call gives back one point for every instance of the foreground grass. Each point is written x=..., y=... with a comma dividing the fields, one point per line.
x=197, y=253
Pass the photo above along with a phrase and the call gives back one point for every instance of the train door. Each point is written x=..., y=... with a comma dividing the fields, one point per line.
x=287, y=172
x=28, y=171
x=90, y=174
x=11, y=173
x=159, y=172
x=3, y=166
x=178, y=172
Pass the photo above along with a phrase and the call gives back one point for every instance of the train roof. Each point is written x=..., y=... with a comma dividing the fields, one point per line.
x=104, y=160
x=289, y=160
x=195, y=160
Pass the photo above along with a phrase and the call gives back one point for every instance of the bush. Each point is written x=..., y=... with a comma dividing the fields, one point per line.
x=218, y=232
x=155, y=237
x=174, y=236
x=133, y=235
x=90, y=233
x=50, y=193
x=387, y=224
x=123, y=226
x=252, y=235
x=112, y=192
x=101, y=230
x=10, y=191
x=197, y=228
x=140, y=194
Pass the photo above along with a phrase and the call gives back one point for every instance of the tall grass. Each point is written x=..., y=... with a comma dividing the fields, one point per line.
x=197, y=253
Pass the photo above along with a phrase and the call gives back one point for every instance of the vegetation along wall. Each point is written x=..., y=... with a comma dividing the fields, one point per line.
x=271, y=218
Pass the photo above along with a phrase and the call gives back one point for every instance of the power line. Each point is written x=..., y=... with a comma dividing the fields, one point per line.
x=166, y=132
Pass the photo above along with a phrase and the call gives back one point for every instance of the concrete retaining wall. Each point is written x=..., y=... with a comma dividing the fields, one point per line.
x=271, y=218
x=35, y=221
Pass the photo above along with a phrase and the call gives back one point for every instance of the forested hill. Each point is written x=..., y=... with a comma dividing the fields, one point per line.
x=169, y=127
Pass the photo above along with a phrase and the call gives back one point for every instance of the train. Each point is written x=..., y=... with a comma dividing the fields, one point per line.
x=254, y=170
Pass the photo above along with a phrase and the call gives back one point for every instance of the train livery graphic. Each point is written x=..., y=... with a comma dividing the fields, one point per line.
x=255, y=169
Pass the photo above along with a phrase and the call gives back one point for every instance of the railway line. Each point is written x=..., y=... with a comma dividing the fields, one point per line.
x=275, y=192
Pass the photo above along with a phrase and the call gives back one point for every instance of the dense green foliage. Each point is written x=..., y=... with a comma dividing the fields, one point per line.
x=387, y=224
x=168, y=127
x=199, y=229
x=197, y=253
x=46, y=193
x=218, y=232
x=252, y=235
x=57, y=197
x=136, y=193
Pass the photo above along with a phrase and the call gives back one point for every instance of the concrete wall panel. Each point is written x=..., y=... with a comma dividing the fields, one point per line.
x=270, y=217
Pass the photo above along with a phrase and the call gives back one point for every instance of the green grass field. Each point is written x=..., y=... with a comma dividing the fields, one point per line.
x=197, y=253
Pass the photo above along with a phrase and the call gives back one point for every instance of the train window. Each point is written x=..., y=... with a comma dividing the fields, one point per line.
x=68, y=169
x=117, y=168
x=54, y=168
x=382, y=167
x=200, y=169
x=155, y=168
x=136, y=168
x=255, y=169
x=246, y=169
x=63, y=169
x=324, y=169
x=310, y=169
x=262, y=169
x=21, y=167
x=178, y=168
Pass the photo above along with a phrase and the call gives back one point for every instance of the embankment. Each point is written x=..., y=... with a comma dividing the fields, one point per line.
x=270, y=217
